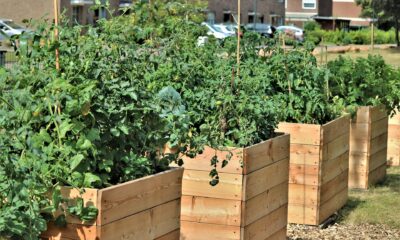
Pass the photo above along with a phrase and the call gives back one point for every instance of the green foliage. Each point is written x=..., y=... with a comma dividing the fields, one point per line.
x=311, y=26
x=365, y=82
x=351, y=37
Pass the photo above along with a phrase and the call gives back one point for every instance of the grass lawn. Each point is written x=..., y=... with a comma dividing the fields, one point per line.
x=378, y=205
x=391, y=56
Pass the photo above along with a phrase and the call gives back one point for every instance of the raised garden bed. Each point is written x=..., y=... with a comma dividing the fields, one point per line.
x=146, y=208
x=393, y=153
x=250, y=201
x=319, y=159
x=368, y=147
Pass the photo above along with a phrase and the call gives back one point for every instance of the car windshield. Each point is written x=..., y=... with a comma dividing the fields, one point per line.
x=13, y=25
x=218, y=28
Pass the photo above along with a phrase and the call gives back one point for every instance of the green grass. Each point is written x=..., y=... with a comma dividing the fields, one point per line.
x=391, y=55
x=378, y=205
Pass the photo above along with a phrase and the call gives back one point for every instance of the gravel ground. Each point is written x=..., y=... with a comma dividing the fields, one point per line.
x=342, y=231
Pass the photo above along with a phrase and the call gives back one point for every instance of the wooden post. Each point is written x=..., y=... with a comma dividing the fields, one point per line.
x=238, y=42
x=372, y=35
x=56, y=32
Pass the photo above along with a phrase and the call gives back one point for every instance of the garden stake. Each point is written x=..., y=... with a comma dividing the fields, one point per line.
x=56, y=32
x=238, y=42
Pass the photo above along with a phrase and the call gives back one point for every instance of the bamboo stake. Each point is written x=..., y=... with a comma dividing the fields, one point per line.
x=56, y=32
x=238, y=42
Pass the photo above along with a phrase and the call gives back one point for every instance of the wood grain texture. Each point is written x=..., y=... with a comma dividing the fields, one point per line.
x=308, y=134
x=393, y=151
x=205, y=231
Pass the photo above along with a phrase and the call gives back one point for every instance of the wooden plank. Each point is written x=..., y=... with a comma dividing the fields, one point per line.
x=358, y=162
x=302, y=133
x=358, y=180
x=363, y=115
x=279, y=235
x=135, y=196
x=301, y=214
x=360, y=131
x=379, y=127
x=211, y=210
x=202, y=161
x=379, y=143
x=265, y=227
x=377, y=113
x=205, y=231
x=377, y=175
x=263, y=154
x=395, y=119
x=304, y=154
x=70, y=232
x=304, y=174
x=394, y=131
x=197, y=183
x=336, y=128
x=377, y=160
x=174, y=235
x=300, y=194
x=331, y=206
x=261, y=180
x=331, y=188
x=265, y=203
x=146, y=225
x=334, y=167
x=337, y=147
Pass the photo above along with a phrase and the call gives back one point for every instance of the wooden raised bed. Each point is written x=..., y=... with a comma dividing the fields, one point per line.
x=368, y=147
x=393, y=153
x=142, y=209
x=250, y=201
x=318, y=176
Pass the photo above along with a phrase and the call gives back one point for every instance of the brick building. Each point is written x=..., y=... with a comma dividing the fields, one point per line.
x=331, y=14
x=263, y=11
x=76, y=10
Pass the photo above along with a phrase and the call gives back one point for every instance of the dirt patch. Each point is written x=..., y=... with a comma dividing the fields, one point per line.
x=341, y=231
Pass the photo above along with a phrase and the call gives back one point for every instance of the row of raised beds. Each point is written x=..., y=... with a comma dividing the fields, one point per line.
x=91, y=151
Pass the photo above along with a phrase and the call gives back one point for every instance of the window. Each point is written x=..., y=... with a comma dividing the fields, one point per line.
x=309, y=4
x=76, y=14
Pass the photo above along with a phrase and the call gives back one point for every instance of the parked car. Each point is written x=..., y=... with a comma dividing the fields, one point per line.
x=9, y=28
x=265, y=30
x=218, y=34
x=228, y=29
x=292, y=31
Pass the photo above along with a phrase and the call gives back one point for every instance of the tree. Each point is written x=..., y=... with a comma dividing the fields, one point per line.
x=385, y=10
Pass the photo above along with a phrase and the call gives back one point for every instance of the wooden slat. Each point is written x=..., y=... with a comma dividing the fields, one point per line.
x=202, y=161
x=393, y=151
x=263, y=204
x=379, y=127
x=261, y=180
x=331, y=206
x=336, y=185
x=70, y=232
x=377, y=175
x=395, y=120
x=301, y=214
x=205, y=231
x=300, y=194
x=174, y=235
x=302, y=133
x=266, y=153
x=266, y=226
x=146, y=225
x=379, y=143
x=197, y=183
x=358, y=162
x=359, y=146
x=304, y=154
x=358, y=180
x=337, y=147
x=211, y=210
x=304, y=174
x=279, y=235
x=377, y=160
x=334, y=167
x=336, y=128
x=135, y=196
x=363, y=115
x=378, y=113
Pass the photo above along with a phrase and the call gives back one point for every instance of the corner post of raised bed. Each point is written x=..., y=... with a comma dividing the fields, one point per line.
x=368, y=147
x=393, y=154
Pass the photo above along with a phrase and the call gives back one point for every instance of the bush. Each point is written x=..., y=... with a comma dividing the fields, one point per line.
x=310, y=26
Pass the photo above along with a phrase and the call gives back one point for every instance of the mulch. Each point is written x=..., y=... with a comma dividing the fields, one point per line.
x=343, y=231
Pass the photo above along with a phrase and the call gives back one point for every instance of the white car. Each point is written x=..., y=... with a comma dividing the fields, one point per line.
x=228, y=29
x=296, y=32
x=9, y=28
x=214, y=32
